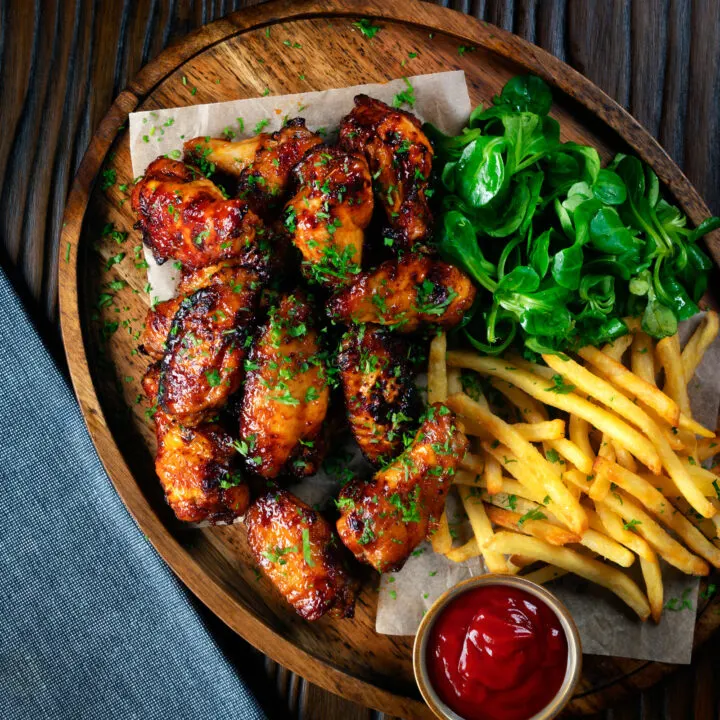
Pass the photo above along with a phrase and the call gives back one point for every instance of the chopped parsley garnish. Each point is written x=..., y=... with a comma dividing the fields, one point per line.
x=367, y=28
x=261, y=125
x=532, y=514
x=632, y=524
x=406, y=96
x=560, y=386
x=307, y=554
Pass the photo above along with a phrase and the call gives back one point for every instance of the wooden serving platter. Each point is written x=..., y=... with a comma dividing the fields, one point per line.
x=239, y=57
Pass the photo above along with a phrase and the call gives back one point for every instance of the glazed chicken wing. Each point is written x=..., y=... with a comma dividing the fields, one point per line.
x=328, y=215
x=260, y=165
x=300, y=553
x=184, y=216
x=158, y=321
x=400, y=159
x=382, y=520
x=380, y=395
x=206, y=345
x=405, y=294
x=197, y=467
x=286, y=394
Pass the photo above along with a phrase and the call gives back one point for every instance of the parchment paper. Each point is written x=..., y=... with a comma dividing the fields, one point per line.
x=606, y=626
x=440, y=98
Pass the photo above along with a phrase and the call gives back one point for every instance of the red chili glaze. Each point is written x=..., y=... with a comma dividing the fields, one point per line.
x=497, y=653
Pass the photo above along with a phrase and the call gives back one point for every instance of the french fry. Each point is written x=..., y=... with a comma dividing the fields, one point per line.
x=441, y=540
x=572, y=561
x=707, y=448
x=700, y=341
x=618, y=347
x=541, y=431
x=664, y=406
x=530, y=367
x=668, y=353
x=437, y=370
x=658, y=504
x=453, y=381
x=521, y=561
x=538, y=527
x=603, y=545
x=572, y=512
x=580, y=435
x=482, y=529
x=615, y=528
x=464, y=552
x=545, y=574
x=578, y=478
x=612, y=397
x=643, y=524
x=624, y=458
x=642, y=361
x=573, y=454
x=653, y=586
x=601, y=484
x=473, y=463
x=569, y=402
x=492, y=475
x=467, y=477
x=529, y=408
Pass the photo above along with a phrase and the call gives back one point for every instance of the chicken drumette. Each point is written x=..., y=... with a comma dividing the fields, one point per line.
x=380, y=395
x=328, y=214
x=405, y=294
x=300, y=553
x=184, y=216
x=260, y=166
x=286, y=393
x=382, y=520
x=400, y=159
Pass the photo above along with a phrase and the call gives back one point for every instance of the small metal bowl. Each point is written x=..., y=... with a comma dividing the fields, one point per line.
x=572, y=673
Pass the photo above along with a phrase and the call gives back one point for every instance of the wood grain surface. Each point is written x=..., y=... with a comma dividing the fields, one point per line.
x=62, y=65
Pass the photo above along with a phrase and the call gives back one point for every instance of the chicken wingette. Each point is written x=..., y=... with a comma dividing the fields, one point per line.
x=158, y=320
x=405, y=294
x=382, y=520
x=327, y=216
x=185, y=217
x=380, y=395
x=206, y=346
x=400, y=158
x=197, y=467
x=286, y=393
x=260, y=165
x=298, y=550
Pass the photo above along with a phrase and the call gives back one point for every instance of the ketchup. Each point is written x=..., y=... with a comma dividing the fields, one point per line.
x=497, y=653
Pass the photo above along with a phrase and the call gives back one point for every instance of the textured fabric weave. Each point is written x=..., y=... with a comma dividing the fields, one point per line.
x=93, y=623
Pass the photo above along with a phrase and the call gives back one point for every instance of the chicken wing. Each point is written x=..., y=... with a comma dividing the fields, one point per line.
x=405, y=294
x=300, y=553
x=382, y=520
x=158, y=320
x=400, y=159
x=286, y=393
x=196, y=467
x=185, y=217
x=206, y=345
x=259, y=166
x=380, y=395
x=328, y=215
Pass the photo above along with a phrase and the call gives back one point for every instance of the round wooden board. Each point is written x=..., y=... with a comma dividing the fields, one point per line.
x=235, y=58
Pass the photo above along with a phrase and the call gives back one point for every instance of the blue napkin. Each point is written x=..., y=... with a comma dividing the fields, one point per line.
x=93, y=624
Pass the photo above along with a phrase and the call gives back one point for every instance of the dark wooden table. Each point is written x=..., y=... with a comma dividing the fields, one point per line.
x=63, y=61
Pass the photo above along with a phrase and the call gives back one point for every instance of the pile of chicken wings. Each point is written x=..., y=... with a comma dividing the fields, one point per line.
x=305, y=266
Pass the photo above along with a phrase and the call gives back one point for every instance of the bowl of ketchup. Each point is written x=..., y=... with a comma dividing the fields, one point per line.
x=497, y=647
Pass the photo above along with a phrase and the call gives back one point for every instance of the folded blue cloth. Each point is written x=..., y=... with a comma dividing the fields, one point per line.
x=93, y=624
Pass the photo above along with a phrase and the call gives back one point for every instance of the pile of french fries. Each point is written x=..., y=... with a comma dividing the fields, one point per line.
x=618, y=476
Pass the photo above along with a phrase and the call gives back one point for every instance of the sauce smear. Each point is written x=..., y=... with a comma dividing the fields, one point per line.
x=497, y=653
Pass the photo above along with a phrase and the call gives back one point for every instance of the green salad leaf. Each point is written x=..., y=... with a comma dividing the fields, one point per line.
x=560, y=248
